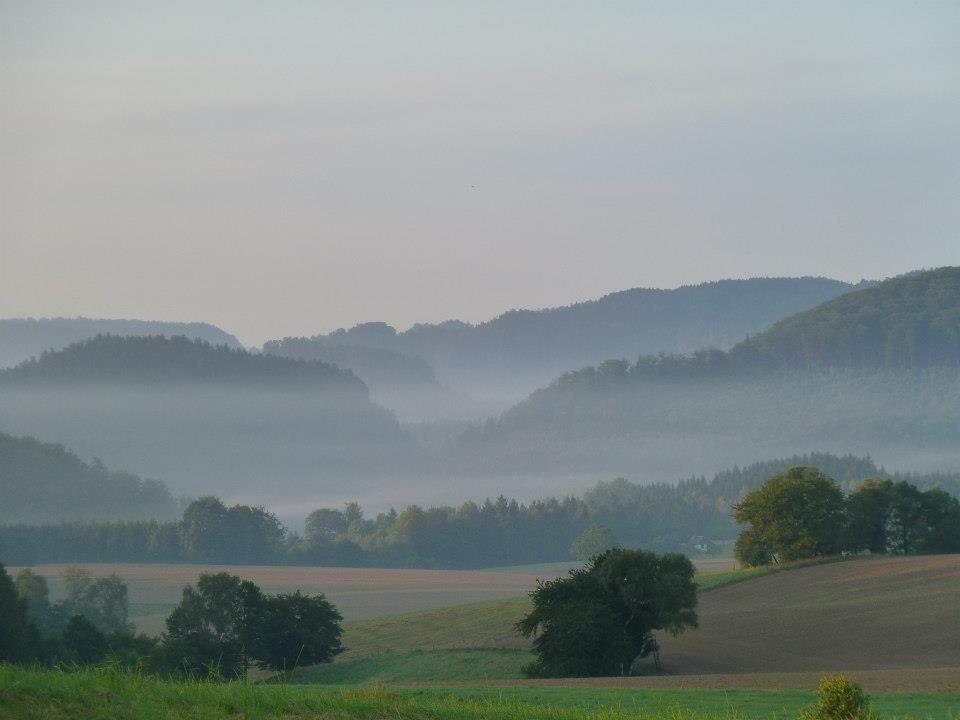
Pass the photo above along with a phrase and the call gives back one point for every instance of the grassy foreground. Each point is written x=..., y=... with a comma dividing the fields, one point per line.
x=105, y=693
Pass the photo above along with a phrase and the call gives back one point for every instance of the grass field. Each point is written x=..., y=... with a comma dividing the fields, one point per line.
x=106, y=693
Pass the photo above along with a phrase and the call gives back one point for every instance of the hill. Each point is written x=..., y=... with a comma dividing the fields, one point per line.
x=207, y=419
x=45, y=483
x=906, y=323
x=23, y=338
x=159, y=359
x=882, y=613
x=505, y=358
x=783, y=389
x=406, y=384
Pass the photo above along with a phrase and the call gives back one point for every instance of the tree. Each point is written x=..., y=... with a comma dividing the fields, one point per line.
x=323, y=525
x=297, y=630
x=103, y=601
x=601, y=619
x=794, y=515
x=203, y=530
x=82, y=638
x=869, y=515
x=17, y=634
x=593, y=541
x=213, y=628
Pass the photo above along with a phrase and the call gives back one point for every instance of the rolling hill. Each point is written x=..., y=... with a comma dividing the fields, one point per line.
x=45, y=483
x=405, y=384
x=503, y=359
x=869, y=614
x=208, y=419
x=23, y=338
x=797, y=385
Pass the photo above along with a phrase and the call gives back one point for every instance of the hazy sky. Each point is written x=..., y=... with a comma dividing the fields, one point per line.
x=289, y=168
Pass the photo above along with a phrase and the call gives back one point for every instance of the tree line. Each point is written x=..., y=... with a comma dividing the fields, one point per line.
x=692, y=516
x=803, y=513
x=222, y=626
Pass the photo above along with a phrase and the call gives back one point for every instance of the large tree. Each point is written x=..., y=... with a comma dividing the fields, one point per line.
x=213, y=629
x=296, y=630
x=601, y=619
x=18, y=637
x=794, y=515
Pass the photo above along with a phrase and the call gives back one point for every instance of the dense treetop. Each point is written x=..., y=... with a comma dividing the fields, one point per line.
x=23, y=338
x=155, y=358
x=42, y=483
x=908, y=322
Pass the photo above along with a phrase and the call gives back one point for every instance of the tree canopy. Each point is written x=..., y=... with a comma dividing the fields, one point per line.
x=601, y=619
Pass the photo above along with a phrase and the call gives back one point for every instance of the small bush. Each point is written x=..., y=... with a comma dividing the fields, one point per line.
x=839, y=698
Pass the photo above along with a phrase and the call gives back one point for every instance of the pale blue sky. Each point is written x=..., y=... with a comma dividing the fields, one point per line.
x=289, y=168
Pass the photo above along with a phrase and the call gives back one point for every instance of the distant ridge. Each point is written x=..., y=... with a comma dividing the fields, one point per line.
x=876, y=370
x=519, y=350
x=23, y=338
x=150, y=359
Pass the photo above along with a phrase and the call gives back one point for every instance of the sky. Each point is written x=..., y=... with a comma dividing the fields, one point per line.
x=290, y=168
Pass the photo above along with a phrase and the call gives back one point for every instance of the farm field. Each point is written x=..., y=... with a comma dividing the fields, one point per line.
x=357, y=592
x=106, y=693
x=872, y=616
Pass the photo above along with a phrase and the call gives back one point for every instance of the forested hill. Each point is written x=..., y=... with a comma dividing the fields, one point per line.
x=45, y=483
x=524, y=346
x=908, y=322
x=23, y=338
x=158, y=359
x=877, y=371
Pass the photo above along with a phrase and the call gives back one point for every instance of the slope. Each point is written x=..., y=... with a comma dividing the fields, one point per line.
x=45, y=483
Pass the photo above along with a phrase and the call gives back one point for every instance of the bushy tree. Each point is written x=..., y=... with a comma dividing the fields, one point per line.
x=323, y=525
x=17, y=635
x=295, y=630
x=104, y=601
x=213, y=628
x=794, y=515
x=83, y=640
x=601, y=619
x=869, y=516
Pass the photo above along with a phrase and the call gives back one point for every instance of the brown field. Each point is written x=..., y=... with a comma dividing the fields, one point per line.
x=869, y=614
x=357, y=592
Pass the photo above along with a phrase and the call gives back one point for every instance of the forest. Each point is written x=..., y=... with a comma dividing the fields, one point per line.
x=46, y=483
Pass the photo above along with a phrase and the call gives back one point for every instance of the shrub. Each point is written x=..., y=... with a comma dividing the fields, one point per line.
x=839, y=698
